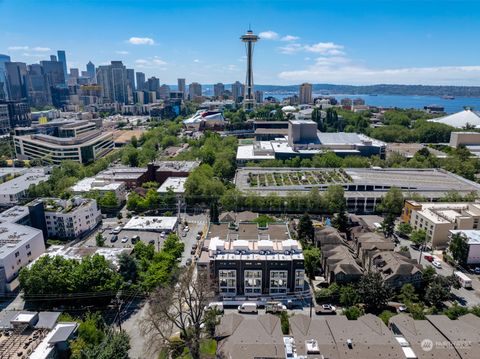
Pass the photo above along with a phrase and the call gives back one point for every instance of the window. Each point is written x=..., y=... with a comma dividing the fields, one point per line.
x=227, y=279
x=278, y=281
x=299, y=279
x=253, y=282
x=27, y=246
x=29, y=253
x=17, y=254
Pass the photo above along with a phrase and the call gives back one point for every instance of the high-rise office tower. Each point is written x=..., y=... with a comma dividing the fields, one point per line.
x=218, y=90
x=181, y=87
x=53, y=58
x=3, y=77
x=91, y=72
x=249, y=39
x=258, y=96
x=119, y=82
x=238, y=91
x=140, y=77
x=54, y=72
x=62, y=57
x=16, y=79
x=130, y=84
x=103, y=76
x=194, y=90
x=164, y=92
x=37, y=86
x=153, y=84
x=305, y=93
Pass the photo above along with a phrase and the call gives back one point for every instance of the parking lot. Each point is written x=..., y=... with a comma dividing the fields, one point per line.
x=466, y=297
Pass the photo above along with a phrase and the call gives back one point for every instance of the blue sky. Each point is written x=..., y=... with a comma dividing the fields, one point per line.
x=341, y=42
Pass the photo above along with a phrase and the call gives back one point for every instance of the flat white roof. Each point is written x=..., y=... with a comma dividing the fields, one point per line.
x=176, y=184
x=21, y=183
x=13, y=236
x=13, y=214
x=473, y=236
x=91, y=183
x=246, y=153
x=152, y=223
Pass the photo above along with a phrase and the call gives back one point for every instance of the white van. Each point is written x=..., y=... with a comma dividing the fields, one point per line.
x=248, y=308
x=463, y=279
x=117, y=230
x=215, y=305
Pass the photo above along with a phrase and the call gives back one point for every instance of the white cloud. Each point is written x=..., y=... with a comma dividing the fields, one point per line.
x=290, y=38
x=122, y=52
x=196, y=61
x=151, y=63
x=325, y=48
x=141, y=41
x=18, y=48
x=290, y=49
x=27, y=54
x=268, y=35
x=41, y=49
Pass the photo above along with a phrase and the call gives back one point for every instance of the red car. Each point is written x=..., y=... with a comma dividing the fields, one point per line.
x=428, y=258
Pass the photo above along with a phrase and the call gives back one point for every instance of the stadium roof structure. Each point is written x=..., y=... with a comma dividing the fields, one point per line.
x=460, y=119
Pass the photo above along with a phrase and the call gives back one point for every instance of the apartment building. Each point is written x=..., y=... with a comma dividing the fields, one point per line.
x=437, y=219
x=16, y=184
x=19, y=245
x=72, y=218
x=248, y=260
x=91, y=184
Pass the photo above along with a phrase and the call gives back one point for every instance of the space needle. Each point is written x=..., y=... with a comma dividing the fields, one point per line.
x=249, y=99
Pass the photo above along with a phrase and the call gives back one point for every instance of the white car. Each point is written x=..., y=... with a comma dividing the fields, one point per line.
x=437, y=264
x=125, y=239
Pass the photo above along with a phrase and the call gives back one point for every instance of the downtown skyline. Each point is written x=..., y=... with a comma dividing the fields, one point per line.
x=318, y=42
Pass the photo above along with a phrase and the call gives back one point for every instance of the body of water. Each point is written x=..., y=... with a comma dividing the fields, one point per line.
x=454, y=105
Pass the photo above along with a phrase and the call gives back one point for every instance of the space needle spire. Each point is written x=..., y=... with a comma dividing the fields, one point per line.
x=249, y=99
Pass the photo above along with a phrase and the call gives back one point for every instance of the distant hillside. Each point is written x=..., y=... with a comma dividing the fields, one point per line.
x=420, y=90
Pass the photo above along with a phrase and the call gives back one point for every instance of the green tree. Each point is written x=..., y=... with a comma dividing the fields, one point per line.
x=349, y=296
x=353, y=313
x=373, y=291
x=419, y=236
x=385, y=316
x=408, y=294
x=127, y=267
x=305, y=229
x=388, y=225
x=214, y=212
x=455, y=311
x=392, y=203
x=438, y=289
x=100, y=241
x=335, y=198
x=404, y=229
x=459, y=248
x=312, y=261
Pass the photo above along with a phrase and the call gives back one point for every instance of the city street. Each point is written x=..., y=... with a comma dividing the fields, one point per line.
x=465, y=297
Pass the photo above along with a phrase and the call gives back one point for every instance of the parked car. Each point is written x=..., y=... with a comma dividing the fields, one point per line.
x=428, y=258
x=325, y=309
x=135, y=239
x=184, y=234
x=117, y=230
x=437, y=264
x=476, y=270
x=194, y=246
x=186, y=229
x=113, y=238
x=125, y=239
x=188, y=262
x=248, y=308
x=415, y=246
x=274, y=307
x=198, y=237
x=151, y=241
